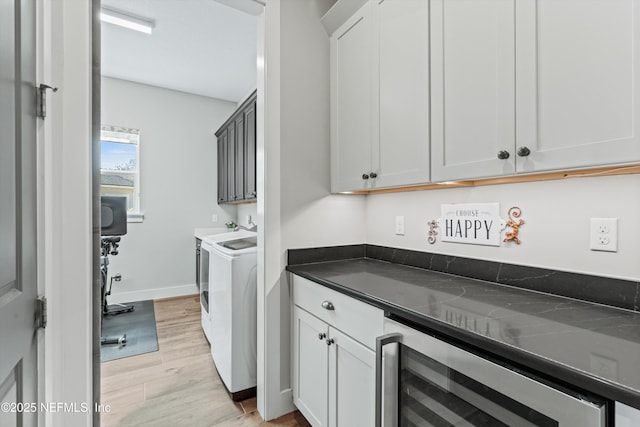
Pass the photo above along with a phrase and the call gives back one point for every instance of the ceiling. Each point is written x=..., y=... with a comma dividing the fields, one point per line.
x=197, y=46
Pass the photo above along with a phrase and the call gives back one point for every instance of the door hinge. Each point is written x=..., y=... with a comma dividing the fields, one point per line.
x=41, y=312
x=42, y=99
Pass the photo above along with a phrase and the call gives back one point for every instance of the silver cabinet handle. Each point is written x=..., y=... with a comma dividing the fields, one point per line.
x=328, y=305
x=381, y=341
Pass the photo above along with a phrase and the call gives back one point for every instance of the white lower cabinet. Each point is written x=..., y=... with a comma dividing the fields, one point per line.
x=352, y=376
x=311, y=367
x=333, y=373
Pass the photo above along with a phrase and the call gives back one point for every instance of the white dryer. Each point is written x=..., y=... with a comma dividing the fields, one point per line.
x=233, y=309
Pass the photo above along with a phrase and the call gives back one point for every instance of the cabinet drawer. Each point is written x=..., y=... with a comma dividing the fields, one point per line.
x=357, y=319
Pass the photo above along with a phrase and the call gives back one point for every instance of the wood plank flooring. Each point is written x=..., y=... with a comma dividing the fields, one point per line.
x=178, y=384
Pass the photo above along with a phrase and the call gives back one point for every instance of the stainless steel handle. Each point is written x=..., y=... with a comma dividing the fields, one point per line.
x=381, y=341
x=365, y=176
x=523, y=151
x=330, y=341
x=328, y=305
x=322, y=336
x=503, y=154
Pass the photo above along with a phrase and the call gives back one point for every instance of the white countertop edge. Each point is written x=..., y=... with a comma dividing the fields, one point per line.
x=201, y=233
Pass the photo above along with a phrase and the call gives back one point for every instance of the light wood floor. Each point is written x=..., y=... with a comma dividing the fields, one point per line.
x=178, y=384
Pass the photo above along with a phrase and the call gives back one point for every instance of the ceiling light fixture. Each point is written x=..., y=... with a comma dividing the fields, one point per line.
x=126, y=20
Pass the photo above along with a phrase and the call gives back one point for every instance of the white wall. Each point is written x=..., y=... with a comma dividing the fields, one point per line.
x=556, y=230
x=244, y=210
x=297, y=209
x=178, y=185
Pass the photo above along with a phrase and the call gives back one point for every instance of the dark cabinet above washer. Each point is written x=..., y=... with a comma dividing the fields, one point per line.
x=236, y=140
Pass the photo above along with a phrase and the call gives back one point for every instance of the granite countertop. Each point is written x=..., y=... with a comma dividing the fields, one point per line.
x=588, y=345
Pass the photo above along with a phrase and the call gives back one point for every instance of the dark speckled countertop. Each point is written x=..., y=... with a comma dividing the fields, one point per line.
x=587, y=345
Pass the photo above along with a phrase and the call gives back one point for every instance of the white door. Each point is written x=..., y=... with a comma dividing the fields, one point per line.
x=472, y=88
x=352, y=375
x=310, y=365
x=578, y=83
x=351, y=102
x=18, y=330
x=402, y=156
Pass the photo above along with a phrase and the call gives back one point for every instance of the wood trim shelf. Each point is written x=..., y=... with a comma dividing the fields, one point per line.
x=545, y=176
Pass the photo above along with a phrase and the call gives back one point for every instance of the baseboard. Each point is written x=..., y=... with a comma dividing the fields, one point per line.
x=157, y=293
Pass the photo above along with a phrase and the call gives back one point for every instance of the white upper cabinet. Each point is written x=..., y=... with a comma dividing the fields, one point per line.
x=578, y=85
x=472, y=88
x=352, y=66
x=487, y=88
x=533, y=85
x=380, y=95
x=402, y=154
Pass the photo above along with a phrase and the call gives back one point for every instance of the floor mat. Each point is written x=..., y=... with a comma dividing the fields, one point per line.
x=140, y=327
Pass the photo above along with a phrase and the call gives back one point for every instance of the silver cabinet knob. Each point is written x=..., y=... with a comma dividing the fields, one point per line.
x=373, y=175
x=365, y=176
x=523, y=151
x=503, y=154
x=328, y=305
x=322, y=336
x=330, y=341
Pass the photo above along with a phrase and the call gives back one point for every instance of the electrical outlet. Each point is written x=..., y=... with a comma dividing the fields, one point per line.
x=400, y=225
x=604, y=234
x=214, y=218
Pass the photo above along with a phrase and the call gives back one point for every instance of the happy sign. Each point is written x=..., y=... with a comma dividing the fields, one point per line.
x=471, y=223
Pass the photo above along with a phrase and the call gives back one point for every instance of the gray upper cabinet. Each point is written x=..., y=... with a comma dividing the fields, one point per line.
x=223, y=188
x=250, y=151
x=238, y=193
x=236, y=140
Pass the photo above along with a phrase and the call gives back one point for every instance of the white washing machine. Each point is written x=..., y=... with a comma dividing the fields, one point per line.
x=233, y=309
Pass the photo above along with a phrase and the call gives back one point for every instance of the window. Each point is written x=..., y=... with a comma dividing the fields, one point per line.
x=119, y=166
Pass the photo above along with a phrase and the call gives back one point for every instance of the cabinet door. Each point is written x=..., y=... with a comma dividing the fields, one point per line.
x=222, y=167
x=352, y=375
x=310, y=366
x=472, y=88
x=231, y=161
x=626, y=416
x=402, y=154
x=578, y=83
x=351, y=102
x=250, y=152
x=239, y=159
